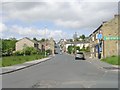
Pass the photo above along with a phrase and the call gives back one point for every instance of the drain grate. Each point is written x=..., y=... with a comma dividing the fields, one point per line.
x=112, y=68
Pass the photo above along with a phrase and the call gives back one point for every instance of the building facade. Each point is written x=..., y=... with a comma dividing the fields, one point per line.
x=108, y=45
x=26, y=42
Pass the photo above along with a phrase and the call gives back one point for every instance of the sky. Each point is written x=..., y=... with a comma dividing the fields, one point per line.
x=53, y=18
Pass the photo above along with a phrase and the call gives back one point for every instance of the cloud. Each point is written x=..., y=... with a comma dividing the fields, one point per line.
x=73, y=15
x=20, y=32
x=67, y=15
x=3, y=27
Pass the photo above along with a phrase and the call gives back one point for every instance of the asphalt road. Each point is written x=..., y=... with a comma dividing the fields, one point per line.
x=62, y=71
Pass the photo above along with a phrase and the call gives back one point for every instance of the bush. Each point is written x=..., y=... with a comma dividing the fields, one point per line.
x=87, y=49
x=78, y=48
x=70, y=49
x=49, y=51
x=18, y=53
x=30, y=50
x=7, y=52
x=113, y=56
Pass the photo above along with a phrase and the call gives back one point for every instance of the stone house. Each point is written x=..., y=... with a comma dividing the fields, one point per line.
x=26, y=42
x=49, y=44
x=109, y=41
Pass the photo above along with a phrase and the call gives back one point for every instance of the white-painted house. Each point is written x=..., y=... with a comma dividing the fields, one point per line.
x=80, y=44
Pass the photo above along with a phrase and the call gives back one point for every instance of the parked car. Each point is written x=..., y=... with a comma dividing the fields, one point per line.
x=55, y=52
x=79, y=55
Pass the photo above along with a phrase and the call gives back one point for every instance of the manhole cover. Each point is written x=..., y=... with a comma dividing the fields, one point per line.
x=111, y=68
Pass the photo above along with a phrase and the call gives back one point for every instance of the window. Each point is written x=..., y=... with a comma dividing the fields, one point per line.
x=35, y=45
x=92, y=38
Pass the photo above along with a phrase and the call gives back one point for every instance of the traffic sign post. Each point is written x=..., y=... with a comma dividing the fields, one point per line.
x=99, y=37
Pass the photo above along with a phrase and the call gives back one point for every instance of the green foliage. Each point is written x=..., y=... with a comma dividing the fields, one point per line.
x=49, y=52
x=70, y=49
x=82, y=36
x=13, y=60
x=18, y=53
x=8, y=46
x=71, y=40
x=34, y=39
x=114, y=60
x=30, y=51
x=73, y=49
x=87, y=49
x=83, y=49
x=42, y=40
x=26, y=51
x=78, y=48
x=113, y=56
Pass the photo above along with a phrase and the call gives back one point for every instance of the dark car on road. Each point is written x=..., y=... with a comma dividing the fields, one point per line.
x=79, y=55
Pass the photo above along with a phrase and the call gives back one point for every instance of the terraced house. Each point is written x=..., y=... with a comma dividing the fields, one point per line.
x=108, y=44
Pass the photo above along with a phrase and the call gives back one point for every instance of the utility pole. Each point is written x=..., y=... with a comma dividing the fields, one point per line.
x=45, y=40
x=75, y=39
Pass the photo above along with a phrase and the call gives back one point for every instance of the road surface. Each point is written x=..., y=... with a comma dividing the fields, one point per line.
x=62, y=71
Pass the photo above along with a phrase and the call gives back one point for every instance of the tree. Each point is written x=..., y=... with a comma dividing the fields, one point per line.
x=83, y=49
x=49, y=52
x=87, y=49
x=30, y=51
x=70, y=49
x=82, y=37
x=8, y=45
x=42, y=40
x=71, y=40
x=34, y=39
x=78, y=48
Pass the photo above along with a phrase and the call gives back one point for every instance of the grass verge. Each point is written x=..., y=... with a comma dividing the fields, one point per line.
x=13, y=60
x=114, y=60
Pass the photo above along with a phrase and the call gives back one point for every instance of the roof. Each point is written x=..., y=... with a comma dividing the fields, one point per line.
x=29, y=39
x=96, y=29
x=76, y=42
x=115, y=16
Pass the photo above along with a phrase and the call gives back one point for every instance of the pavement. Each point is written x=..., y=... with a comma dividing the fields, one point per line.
x=10, y=69
x=100, y=64
x=103, y=65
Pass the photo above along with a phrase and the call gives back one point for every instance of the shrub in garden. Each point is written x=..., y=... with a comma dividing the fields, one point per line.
x=70, y=48
x=30, y=50
x=49, y=51
x=18, y=53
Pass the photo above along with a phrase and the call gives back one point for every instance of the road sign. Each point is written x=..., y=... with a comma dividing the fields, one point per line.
x=111, y=38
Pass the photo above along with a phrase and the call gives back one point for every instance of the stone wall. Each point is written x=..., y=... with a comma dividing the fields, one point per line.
x=110, y=28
